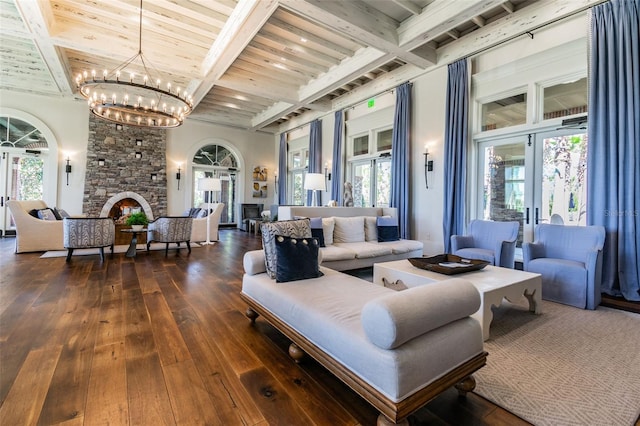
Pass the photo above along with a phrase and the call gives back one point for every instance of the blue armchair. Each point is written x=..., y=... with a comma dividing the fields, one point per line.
x=492, y=241
x=569, y=258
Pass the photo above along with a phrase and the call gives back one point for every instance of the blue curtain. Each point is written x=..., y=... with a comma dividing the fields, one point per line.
x=315, y=155
x=336, y=166
x=400, y=159
x=455, y=151
x=613, y=179
x=282, y=166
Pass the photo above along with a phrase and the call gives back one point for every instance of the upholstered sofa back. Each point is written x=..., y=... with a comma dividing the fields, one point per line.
x=291, y=212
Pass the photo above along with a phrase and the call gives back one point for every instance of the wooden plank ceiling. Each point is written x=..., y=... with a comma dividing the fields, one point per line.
x=256, y=64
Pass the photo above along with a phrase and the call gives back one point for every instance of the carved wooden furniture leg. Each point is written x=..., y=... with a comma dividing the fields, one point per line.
x=384, y=421
x=533, y=304
x=296, y=353
x=466, y=385
x=252, y=315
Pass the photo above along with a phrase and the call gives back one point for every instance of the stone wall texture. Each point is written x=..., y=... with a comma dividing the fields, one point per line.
x=122, y=171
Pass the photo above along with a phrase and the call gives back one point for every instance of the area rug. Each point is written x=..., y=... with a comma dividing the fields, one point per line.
x=117, y=249
x=567, y=366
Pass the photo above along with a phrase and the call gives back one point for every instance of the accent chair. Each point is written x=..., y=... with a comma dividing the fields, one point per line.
x=569, y=258
x=494, y=242
x=199, y=227
x=88, y=232
x=170, y=229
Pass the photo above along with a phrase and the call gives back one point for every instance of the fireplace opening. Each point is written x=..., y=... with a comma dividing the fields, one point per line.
x=122, y=209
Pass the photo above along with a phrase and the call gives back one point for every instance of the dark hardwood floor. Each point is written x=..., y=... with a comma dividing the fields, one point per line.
x=164, y=340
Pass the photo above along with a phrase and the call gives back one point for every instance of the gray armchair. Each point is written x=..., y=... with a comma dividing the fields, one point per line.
x=88, y=232
x=494, y=242
x=569, y=258
x=170, y=229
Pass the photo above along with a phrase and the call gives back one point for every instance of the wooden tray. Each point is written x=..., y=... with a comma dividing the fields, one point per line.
x=435, y=264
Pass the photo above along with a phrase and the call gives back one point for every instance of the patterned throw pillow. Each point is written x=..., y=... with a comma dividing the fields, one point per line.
x=297, y=259
x=286, y=228
x=46, y=214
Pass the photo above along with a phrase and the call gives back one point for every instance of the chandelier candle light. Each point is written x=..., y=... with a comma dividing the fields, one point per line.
x=137, y=100
x=209, y=185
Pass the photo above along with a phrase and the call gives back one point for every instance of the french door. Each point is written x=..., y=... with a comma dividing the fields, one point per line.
x=371, y=181
x=21, y=178
x=533, y=178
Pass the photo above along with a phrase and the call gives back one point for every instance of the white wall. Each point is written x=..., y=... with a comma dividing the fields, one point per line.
x=67, y=120
x=252, y=148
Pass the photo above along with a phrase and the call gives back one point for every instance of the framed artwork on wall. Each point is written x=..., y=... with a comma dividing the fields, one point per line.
x=260, y=173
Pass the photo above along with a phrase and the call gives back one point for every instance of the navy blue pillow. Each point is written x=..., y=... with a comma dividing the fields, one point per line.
x=387, y=229
x=317, y=231
x=296, y=259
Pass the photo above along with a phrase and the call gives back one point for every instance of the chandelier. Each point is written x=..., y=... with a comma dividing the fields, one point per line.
x=125, y=97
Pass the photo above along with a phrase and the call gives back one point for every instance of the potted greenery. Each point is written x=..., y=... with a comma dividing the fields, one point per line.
x=137, y=221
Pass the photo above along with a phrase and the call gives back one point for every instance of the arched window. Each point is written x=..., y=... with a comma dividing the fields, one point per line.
x=217, y=161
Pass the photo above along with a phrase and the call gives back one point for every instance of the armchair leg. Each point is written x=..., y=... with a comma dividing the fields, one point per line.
x=101, y=254
x=189, y=246
x=112, y=250
x=148, y=245
x=166, y=249
x=69, y=253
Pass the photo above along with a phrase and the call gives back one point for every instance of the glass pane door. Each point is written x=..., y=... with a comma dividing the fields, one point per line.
x=22, y=176
x=383, y=182
x=563, y=192
x=504, y=169
x=362, y=184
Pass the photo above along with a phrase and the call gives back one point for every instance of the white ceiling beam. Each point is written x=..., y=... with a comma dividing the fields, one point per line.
x=244, y=85
x=409, y=6
x=243, y=24
x=358, y=21
x=438, y=18
x=39, y=17
x=536, y=15
x=508, y=6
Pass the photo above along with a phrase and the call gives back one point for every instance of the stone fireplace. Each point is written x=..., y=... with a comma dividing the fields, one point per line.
x=125, y=162
x=123, y=203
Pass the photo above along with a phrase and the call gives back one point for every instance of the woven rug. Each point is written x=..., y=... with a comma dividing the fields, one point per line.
x=117, y=249
x=567, y=366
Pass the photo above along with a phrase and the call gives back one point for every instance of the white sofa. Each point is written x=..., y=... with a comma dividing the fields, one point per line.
x=34, y=234
x=363, y=248
x=398, y=350
x=199, y=227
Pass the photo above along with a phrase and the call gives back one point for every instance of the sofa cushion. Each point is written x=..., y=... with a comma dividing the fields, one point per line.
x=387, y=229
x=366, y=250
x=328, y=226
x=393, y=319
x=287, y=228
x=403, y=246
x=370, y=228
x=348, y=229
x=297, y=259
x=334, y=252
x=476, y=253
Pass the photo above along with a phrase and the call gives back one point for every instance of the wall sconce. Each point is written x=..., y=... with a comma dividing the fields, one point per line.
x=67, y=169
x=138, y=142
x=428, y=167
x=154, y=176
x=138, y=154
x=275, y=181
x=100, y=161
x=327, y=173
x=178, y=176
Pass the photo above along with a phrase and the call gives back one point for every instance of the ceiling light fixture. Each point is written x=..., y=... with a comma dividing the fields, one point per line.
x=131, y=99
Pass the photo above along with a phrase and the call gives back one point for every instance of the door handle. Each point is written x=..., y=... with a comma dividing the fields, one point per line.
x=526, y=216
x=1, y=201
x=537, y=216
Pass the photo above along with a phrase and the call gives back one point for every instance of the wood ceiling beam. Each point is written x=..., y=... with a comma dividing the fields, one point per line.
x=244, y=23
x=409, y=6
x=358, y=21
x=39, y=18
x=536, y=15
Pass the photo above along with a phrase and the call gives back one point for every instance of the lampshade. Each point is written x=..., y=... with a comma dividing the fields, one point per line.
x=209, y=184
x=314, y=182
